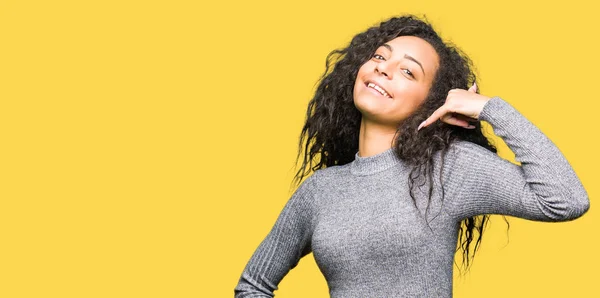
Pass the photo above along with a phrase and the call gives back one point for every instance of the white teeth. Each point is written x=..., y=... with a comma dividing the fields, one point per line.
x=371, y=85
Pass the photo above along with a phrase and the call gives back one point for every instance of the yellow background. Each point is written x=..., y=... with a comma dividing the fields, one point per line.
x=147, y=147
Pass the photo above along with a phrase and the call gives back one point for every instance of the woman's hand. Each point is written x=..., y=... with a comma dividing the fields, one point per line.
x=461, y=107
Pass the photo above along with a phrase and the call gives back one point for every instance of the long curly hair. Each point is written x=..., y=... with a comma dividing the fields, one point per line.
x=331, y=130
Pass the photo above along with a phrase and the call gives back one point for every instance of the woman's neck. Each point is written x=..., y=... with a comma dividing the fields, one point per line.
x=374, y=138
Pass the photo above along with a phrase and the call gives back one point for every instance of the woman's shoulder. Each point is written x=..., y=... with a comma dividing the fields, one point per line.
x=462, y=147
x=331, y=172
x=314, y=182
x=323, y=177
x=462, y=153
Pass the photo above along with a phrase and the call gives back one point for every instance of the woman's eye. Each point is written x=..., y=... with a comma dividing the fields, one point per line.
x=409, y=73
x=377, y=56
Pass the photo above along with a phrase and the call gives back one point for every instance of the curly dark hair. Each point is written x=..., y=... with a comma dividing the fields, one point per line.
x=331, y=129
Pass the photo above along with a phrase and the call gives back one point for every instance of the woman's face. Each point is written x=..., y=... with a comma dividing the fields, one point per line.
x=396, y=80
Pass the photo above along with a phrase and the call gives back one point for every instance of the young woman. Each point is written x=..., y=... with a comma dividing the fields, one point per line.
x=402, y=169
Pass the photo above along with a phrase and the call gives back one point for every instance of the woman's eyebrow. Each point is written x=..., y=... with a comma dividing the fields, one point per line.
x=389, y=47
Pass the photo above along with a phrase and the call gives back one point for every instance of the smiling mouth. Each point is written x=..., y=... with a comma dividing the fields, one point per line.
x=379, y=89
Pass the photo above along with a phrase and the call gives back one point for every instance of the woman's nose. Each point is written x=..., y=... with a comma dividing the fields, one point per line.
x=383, y=68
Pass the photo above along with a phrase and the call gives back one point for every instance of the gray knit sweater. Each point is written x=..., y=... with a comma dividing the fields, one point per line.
x=369, y=239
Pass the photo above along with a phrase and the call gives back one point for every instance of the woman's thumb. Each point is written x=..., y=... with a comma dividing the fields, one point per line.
x=473, y=88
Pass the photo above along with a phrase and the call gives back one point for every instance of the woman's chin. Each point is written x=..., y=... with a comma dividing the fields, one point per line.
x=370, y=104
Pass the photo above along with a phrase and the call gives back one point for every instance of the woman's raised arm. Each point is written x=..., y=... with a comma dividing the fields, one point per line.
x=543, y=188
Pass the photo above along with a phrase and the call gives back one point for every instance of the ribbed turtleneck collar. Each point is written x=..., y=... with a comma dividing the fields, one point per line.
x=374, y=163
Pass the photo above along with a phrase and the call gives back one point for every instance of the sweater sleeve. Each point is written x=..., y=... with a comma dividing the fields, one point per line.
x=543, y=188
x=287, y=242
